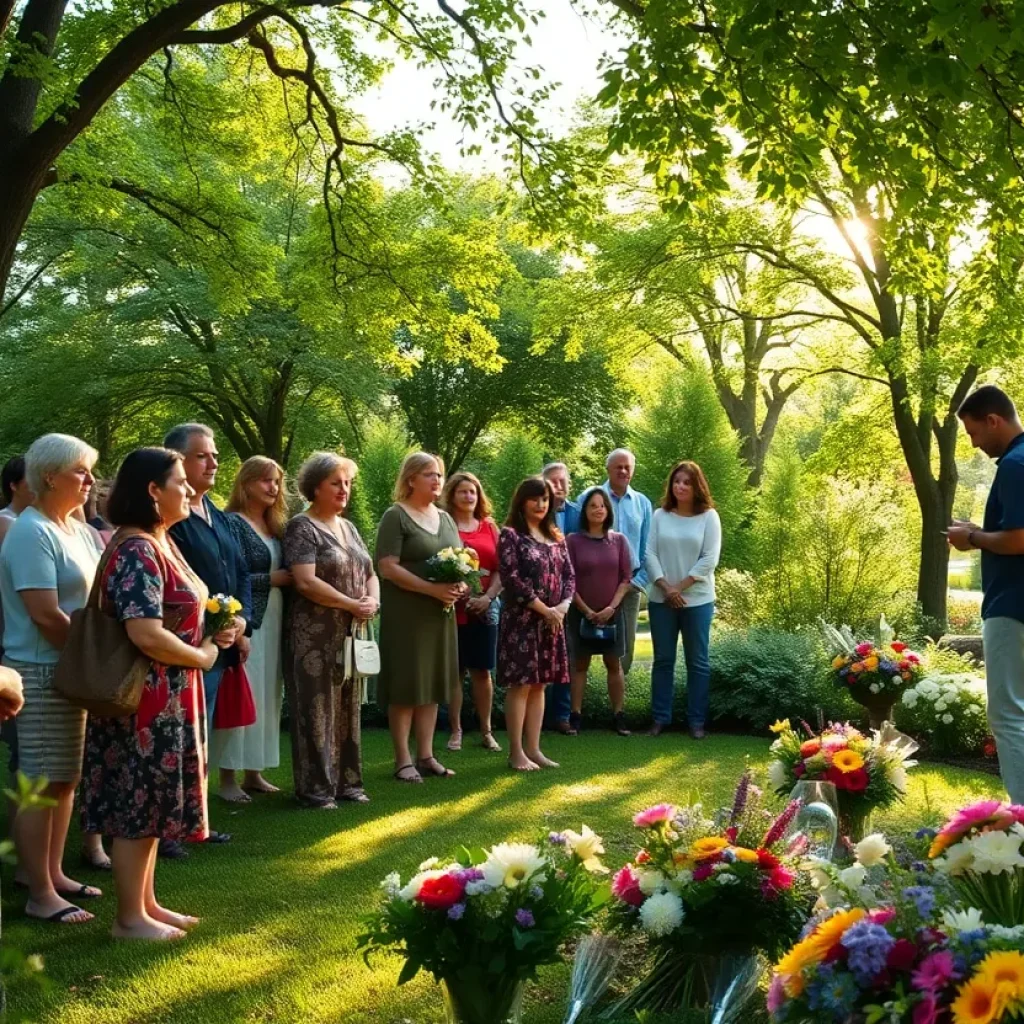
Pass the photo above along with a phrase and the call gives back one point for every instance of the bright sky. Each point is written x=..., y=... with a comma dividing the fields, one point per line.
x=565, y=45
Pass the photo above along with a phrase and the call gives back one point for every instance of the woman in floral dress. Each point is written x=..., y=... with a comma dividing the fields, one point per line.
x=145, y=774
x=539, y=583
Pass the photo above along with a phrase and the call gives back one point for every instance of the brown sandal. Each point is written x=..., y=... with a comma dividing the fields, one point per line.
x=431, y=766
x=415, y=778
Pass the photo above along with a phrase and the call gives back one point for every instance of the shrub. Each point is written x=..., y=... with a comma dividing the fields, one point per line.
x=764, y=674
x=945, y=713
x=963, y=616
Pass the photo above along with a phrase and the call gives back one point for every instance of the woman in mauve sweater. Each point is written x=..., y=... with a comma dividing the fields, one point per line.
x=682, y=552
x=601, y=560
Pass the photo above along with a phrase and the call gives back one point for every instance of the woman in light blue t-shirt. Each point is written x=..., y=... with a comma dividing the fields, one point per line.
x=47, y=565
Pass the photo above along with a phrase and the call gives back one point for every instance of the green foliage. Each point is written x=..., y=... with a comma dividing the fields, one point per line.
x=384, y=447
x=762, y=675
x=681, y=418
x=518, y=456
x=946, y=713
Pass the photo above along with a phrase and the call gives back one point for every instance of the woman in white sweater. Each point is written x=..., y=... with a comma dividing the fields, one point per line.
x=682, y=552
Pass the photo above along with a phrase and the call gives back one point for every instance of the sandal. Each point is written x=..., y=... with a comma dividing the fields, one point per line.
x=488, y=742
x=455, y=743
x=565, y=728
x=576, y=722
x=414, y=778
x=355, y=796
x=94, y=865
x=431, y=766
x=59, y=916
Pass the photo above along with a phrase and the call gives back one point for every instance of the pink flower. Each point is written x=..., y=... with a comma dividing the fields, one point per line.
x=926, y=1011
x=627, y=888
x=702, y=872
x=1018, y=813
x=934, y=972
x=781, y=878
x=654, y=815
x=882, y=916
x=776, y=994
x=985, y=812
x=833, y=743
x=799, y=769
x=864, y=649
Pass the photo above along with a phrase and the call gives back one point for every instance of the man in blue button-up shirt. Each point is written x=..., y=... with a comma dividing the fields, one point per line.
x=206, y=541
x=992, y=423
x=633, y=514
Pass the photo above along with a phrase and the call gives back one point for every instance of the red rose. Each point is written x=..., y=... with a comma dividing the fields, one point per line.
x=914, y=659
x=440, y=893
x=898, y=647
x=837, y=778
x=903, y=665
x=902, y=956
x=766, y=860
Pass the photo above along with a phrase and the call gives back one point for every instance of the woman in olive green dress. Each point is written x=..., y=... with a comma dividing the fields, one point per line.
x=418, y=639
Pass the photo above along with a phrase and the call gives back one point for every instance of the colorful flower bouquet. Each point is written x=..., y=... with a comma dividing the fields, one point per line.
x=875, y=671
x=867, y=771
x=221, y=610
x=896, y=949
x=979, y=850
x=455, y=565
x=483, y=923
x=707, y=894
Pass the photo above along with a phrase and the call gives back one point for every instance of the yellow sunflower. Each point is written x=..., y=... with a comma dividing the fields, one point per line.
x=847, y=760
x=978, y=1002
x=1005, y=969
x=707, y=847
x=832, y=929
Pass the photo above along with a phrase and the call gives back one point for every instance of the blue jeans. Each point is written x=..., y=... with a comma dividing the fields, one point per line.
x=695, y=625
x=211, y=684
x=559, y=698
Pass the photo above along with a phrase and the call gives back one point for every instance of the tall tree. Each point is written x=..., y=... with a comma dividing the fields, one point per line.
x=813, y=101
x=61, y=63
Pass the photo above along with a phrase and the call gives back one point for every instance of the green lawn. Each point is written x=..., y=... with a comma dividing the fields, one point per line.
x=281, y=904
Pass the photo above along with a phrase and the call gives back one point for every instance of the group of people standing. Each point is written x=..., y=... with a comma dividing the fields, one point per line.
x=562, y=581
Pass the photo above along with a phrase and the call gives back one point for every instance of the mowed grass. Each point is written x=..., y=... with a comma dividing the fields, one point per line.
x=281, y=904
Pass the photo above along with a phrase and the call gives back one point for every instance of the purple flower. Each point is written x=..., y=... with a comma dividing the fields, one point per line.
x=868, y=944
x=524, y=918
x=934, y=972
x=739, y=802
x=556, y=838
x=466, y=875
x=923, y=897
x=455, y=911
x=778, y=830
x=925, y=833
x=536, y=892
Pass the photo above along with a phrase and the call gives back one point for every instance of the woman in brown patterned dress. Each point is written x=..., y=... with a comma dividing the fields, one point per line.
x=334, y=584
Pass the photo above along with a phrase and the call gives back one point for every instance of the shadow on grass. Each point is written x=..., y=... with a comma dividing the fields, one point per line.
x=281, y=904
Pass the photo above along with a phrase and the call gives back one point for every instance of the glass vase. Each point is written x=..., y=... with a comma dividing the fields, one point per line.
x=854, y=825
x=818, y=818
x=498, y=1001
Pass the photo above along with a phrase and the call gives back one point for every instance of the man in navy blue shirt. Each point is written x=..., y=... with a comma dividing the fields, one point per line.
x=992, y=423
x=206, y=541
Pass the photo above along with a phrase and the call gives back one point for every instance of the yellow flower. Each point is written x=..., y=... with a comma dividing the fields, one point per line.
x=213, y=605
x=831, y=930
x=847, y=760
x=745, y=855
x=707, y=847
x=871, y=663
x=979, y=1002
x=839, y=661
x=814, y=948
x=781, y=725
x=1004, y=969
x=682, y=861
x=234, y=606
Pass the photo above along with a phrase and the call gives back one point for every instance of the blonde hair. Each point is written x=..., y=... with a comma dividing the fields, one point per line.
x=483, y=510
x=414, y=464
x=318, y=467
x=257, y=468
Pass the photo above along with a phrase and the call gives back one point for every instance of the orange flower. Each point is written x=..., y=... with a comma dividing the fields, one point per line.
x=709, y=846
x=810, y=747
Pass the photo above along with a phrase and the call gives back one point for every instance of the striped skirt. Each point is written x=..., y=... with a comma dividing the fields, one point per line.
x=51, y=732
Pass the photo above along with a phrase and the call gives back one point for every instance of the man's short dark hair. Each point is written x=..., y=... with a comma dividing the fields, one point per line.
x=12, y=473
x=988, y=400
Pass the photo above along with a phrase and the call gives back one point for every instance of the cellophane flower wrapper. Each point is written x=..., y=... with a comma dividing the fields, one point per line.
x=455, y=565
x=896, y=943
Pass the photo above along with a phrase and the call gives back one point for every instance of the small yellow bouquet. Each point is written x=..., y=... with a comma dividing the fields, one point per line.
x=455, y=565
x=221, y=610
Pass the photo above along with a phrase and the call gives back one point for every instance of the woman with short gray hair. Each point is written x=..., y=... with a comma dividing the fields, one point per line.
x=334, y=587
x=47, y=566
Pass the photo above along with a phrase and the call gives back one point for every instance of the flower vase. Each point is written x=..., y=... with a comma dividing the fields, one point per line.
x=498, y=1001
x=878, y=705
x=853, y=826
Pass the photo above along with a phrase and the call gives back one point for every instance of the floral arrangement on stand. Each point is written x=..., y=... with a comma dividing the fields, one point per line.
x=894, y=944
x=483, y=923
x=875, y=672
x=979, y=850
x=708, y=896
x=455, y=565
x=868, y=771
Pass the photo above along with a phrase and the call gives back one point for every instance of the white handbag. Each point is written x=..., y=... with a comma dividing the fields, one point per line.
x=360, y=653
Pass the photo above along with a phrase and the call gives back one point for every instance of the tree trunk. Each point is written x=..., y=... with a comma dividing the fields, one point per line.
x=933, y=574
x=18, y=191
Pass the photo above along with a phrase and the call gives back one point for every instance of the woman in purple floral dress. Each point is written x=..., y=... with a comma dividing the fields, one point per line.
x=144, y=776
x=539, y=584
